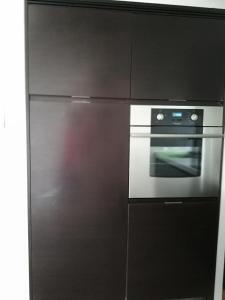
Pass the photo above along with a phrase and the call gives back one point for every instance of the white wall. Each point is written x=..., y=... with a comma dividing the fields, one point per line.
x=13, y=184
x=200, y=3
x=221, y=240
x=13, y=188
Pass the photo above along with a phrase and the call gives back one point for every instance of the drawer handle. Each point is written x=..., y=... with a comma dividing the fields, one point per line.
x=189, y=136
x=173, y=202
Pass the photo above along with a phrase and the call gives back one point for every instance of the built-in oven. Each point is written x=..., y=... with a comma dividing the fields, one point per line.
x=175, y=151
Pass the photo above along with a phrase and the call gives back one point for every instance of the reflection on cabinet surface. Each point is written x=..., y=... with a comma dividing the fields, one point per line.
x=177, y=58
x=78, y=51
x=172, y=250
x=79, y=165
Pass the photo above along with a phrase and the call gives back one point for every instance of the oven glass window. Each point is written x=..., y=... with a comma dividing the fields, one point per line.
x=175, y=157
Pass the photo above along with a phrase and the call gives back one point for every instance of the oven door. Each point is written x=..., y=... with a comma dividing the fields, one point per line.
x=174, y=165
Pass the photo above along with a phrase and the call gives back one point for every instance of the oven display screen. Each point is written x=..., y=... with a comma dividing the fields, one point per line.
x=177, y=114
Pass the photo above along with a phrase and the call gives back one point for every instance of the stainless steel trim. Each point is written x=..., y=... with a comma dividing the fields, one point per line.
x=173, y=202
x=81, y=101
x=141, y=114
x=178, y=100
x=192, y=136
x=82, y=97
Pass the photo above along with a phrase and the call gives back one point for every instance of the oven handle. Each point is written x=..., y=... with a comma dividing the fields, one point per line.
x=190, y=136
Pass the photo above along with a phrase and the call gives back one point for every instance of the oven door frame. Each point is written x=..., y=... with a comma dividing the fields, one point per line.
x=141, y=185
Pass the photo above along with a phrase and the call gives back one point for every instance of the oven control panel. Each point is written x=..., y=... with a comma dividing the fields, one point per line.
x=181, y=117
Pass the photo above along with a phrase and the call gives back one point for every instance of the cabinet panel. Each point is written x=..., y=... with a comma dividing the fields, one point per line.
x=177, y=58
x=172, y=250
x=79, y=187
x=78, y=51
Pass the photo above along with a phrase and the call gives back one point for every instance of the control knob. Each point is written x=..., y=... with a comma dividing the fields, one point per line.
x=160, y=117
x=194, y=117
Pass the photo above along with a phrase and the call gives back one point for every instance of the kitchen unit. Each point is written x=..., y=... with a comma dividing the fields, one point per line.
x=174, y=176
x=125, y=105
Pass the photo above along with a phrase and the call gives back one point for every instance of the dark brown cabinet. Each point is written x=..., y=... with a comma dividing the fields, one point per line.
x=172, y=250
x=108, y=56
x=78, y=51
x=176, y=57
x=90, y=52
x=79, y=187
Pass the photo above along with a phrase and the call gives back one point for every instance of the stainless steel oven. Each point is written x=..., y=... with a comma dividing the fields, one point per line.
x=175, y=151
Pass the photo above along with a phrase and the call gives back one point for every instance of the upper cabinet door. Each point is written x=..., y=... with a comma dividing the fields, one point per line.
x=78, y=51
x=177, y=58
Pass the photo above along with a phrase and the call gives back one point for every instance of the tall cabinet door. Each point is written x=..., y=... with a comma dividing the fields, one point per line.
x=79, y=187
x=176, y=57
x=78, y=51
x=172, y=250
